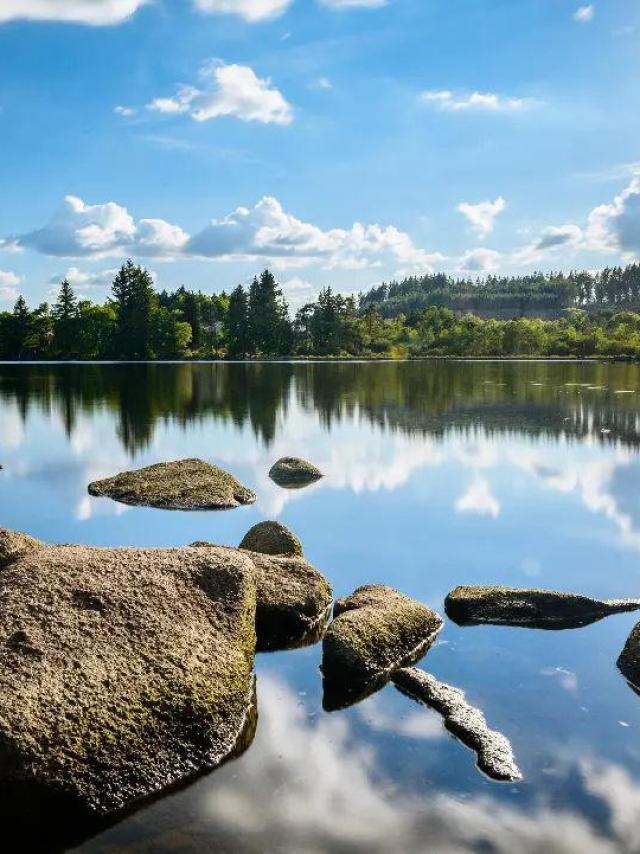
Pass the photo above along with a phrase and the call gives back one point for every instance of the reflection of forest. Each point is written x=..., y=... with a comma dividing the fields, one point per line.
x=537, y=398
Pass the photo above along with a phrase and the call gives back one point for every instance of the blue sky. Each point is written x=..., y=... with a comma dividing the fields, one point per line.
x=342, y=142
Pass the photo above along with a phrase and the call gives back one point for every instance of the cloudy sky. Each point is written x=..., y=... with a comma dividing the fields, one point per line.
x=342, y=142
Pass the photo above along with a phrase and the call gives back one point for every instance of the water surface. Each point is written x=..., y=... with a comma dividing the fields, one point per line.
x=437, y=474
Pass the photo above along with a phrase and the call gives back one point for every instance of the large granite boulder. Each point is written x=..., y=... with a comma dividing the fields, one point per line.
x=293, y=472
x=375, y=631
x=293, y=600
x=272, y=538
x=122, y=671
x=181, y=485
x=544, y=609
x=13, y=545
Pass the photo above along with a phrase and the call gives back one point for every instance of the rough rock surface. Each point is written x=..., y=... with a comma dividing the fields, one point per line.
x=495, y=756
x=122, y=671
x=294, y=472
x=293, y=600
x=543, y=609
x=375, y=630
x=14, y=544
x=181, y=485
x=272, y=538
x=629, y=658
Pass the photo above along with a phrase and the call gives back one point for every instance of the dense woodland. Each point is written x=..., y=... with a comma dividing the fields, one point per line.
x=413, y=318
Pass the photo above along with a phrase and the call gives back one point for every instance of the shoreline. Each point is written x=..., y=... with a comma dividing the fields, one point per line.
x=311, y=360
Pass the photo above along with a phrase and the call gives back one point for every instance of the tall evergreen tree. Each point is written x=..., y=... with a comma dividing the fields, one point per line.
x=65, y=314
x=135, y=302
x=238, y=336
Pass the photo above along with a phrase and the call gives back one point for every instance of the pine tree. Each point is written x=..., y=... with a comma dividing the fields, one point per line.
x=238, y=342
x=19, y=328
x=135, y=302
x=65, y=314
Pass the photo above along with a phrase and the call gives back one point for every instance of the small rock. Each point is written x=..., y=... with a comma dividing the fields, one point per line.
x=375, y=631
x=495, y=756
x=272, y=538
x=182, y=485
x=544, y=609
x=629, y=659
x=292, y=472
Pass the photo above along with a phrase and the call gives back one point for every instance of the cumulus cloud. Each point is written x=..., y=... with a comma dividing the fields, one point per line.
x=478, y=499
x=584, y=14
x=616, y=226
x=265, y=232
x=92, y=12
x=480, y=261
x=444, y=99
x=482, y=215
x=228, y=90
x=251, y=10
x=82, y=280
x=126, y=112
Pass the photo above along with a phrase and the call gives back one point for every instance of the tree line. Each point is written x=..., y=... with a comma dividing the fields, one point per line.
x=138, y=323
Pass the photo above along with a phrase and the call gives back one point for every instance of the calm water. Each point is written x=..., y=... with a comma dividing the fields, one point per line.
x=437, y=475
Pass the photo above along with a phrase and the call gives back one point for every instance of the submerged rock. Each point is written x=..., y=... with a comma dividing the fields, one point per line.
x=14, y=544
x=375, y=631
x=292, y=472
x=181, y=485
x=272, y=538
x=495, y=756
x=629, y=659
x=122, y=671
x=293, y=600
x=544, y=609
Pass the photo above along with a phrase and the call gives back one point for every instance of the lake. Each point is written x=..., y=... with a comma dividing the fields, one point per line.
x=437, y=474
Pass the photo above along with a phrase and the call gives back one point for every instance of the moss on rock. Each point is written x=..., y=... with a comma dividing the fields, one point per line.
x=272, y=538
x=182, y=485
x=293, y=472
x=122, y=671
x=544, y=609
x=375, y=630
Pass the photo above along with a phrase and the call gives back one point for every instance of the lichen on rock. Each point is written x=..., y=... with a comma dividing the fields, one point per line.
x=272, y=538
x=375, y=631
x=122, y=671
x=181, y=485
x=293, y=472
x=495, y=756
x=544, y=609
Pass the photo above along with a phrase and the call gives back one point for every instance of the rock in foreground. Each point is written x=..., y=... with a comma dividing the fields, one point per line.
x=122, y=671
x=272, y=538
x=543, y=609
x=629, y=658
x=375, y=631
x=181, y=485
x=293, y=601
x=14, y=544
x=292, y=472
x=495, y=756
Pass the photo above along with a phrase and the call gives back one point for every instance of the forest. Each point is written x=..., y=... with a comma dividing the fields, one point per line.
x=420, y=317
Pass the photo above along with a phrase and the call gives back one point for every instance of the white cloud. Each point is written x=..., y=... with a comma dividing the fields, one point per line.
x=454, y=102
x=228, y=90
x=323, y=84
x=92, y=12
x=478, y=499
x=82, y=280
x=552, y=238
x=354, y=4
x=126, y=112
x=8, y=295
x=616, y=226
x=251, y=10
x=80, y=230
x=480, y=261
x=8, y=279
x=298, y=291
x=584, y=14
x=482, y=215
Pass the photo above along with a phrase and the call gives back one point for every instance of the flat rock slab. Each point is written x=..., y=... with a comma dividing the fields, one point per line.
x=495, y=756
x=181, y=485
x=294, y=473
x=543, y=609
x=272, y=538
x=375, y=630
x=293, y=601
x=122, y=671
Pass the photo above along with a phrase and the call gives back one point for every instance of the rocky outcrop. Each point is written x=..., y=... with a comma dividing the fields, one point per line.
x=544, y=609
x=293, y=601
x=375, y=631
x=272, y=538
x=293, y=472
x=181, y=485
x=14, y=544
x=495, y=756
x=122, y=671
x=629, y=659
